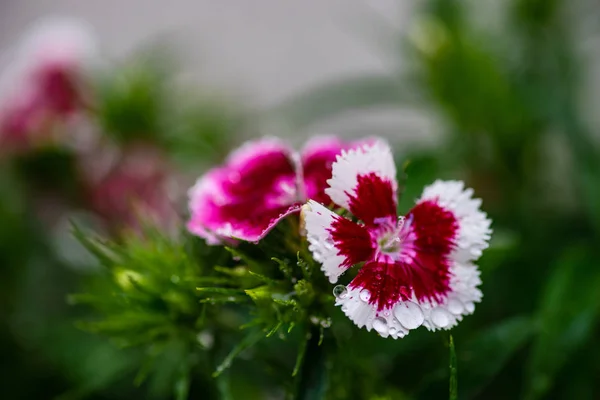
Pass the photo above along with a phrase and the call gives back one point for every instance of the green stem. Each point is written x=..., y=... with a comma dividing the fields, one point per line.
x=312, y=380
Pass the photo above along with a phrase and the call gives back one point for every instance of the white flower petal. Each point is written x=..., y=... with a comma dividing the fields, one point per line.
x=368, y=158
x=474, y=226
x=317, y=222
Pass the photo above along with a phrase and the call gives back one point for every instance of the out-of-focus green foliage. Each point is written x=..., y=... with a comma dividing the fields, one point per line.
x=173, y=318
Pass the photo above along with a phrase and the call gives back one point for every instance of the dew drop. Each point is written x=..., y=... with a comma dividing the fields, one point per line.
x=378, y=277
x=344, y=308
x=380, y=325
x=340, y=292
x=440, y=317
x=470, y=307
x=393, y=331
x=409, y=315
x=455, y=306
x=365, y=295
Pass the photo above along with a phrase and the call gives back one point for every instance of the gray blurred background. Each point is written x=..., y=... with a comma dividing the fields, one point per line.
x=263, y=50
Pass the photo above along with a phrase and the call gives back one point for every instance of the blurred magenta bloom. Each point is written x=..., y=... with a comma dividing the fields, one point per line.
x=133, y=189
x=42, y=85
x=260, y=183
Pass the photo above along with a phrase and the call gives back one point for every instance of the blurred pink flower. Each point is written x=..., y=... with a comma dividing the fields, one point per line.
x=41, y=87
x=133, y=189
x=260, y=183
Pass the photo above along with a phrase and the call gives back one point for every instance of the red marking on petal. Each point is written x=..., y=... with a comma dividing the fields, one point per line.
x=352, y=241
x=317, y=158
x=423, y=266
x=374, y=198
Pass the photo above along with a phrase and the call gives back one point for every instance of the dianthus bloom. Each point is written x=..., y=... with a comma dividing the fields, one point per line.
x=260, y=183
x=134, y=186
x=417, y=269
x=41, y=85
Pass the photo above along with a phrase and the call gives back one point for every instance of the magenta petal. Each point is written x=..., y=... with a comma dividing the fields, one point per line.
x=317, y=157
x=246, y=198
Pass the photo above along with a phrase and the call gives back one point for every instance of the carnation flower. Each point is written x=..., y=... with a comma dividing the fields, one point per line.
x=134, y=186
x=260, y=183
x=417, y=269
x=41, y=84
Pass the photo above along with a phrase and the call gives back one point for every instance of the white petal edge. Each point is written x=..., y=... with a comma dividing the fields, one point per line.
x=317, y=221
x=368, y=158
x=405, y=316
x=474, y=226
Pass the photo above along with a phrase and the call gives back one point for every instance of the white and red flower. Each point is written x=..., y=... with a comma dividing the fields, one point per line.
x=417, y=269
x=260, y=183
x=41, y=84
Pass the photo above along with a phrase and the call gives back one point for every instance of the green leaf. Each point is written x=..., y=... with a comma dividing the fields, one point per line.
x=453, y=371
x=182, y=384
x=568, y=313
x=312, y=380
x=248, y=341
x=301, y=354
x=284, y=267
x=484, y=355
x=343, y=95
x=93, y=246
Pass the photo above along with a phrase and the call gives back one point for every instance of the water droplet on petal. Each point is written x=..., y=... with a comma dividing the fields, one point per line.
x=393, y=331
x=455, y=306
x=440, y=317
x=380, y=325
x=409, y=315
x=365, y=295
x=340, y=292
x=344, y=308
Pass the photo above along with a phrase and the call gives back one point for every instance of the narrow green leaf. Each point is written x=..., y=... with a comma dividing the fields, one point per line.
x=263, y=278
x=248, y=341
x=569, y=311
x=483, y=356
x=182, y=384
x=453, y=371
x=218, y=290
x=301, y=354
x=305, y=266
x=312, y=379
x=284, y=267
x=92, y=246
x=274, y=329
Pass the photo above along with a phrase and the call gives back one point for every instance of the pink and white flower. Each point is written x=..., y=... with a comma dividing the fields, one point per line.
x=41, y=84
x=417, y=269
x=134, y=185
x=260, y=183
